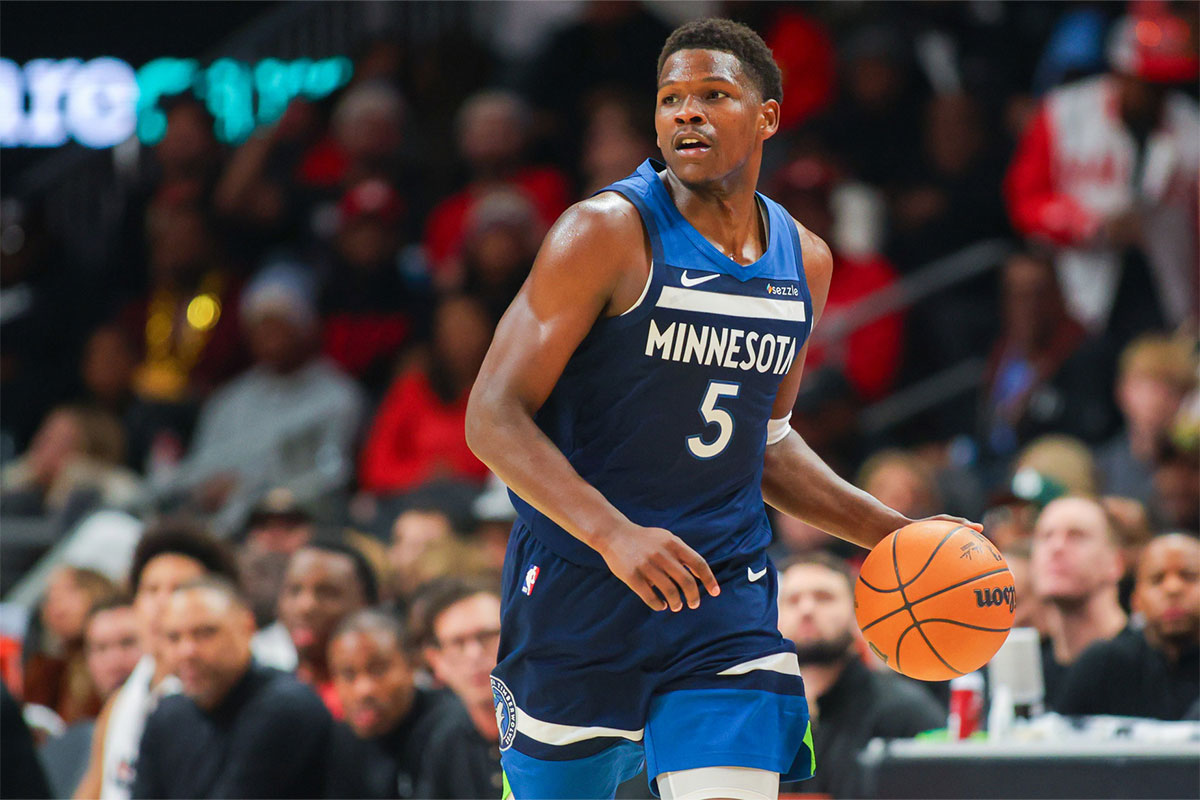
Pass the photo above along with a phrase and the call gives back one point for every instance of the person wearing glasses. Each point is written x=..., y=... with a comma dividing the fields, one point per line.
x=459, y=622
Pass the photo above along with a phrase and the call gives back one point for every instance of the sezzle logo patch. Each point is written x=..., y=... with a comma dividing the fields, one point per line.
x=783, y=291
x=506, y=712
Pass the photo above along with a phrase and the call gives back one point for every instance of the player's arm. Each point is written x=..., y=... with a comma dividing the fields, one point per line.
x=795, y=479
x=594, y=263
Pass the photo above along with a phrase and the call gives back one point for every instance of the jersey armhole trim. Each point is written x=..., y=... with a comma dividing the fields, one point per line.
x=645, y=290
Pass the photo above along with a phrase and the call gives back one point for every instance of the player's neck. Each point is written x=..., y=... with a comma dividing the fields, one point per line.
x=726, y=213
x=1076, y=626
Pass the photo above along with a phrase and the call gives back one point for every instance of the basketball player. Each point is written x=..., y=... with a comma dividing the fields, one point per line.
x=636, y=398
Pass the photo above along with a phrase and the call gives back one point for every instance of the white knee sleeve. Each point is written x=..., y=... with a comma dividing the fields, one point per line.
x=727, y=783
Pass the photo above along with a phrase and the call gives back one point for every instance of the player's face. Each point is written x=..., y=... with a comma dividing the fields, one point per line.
x=373, y=680
x=112, y=647
x=207, y=643
x=710, y=120
x=1072, y=555
x=467, y=641
x=319, y=589
x=161, y=576
x=1168, y=588
x=815, y=605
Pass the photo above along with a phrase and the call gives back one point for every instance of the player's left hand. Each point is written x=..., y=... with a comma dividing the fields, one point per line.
x=975, y=526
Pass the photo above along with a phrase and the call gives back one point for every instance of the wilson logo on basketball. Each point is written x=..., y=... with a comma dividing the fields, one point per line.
x=985, y=598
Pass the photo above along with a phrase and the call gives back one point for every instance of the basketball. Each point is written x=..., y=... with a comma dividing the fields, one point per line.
x=934, y=600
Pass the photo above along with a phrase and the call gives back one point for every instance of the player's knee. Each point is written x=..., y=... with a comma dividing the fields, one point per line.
x=719, y=783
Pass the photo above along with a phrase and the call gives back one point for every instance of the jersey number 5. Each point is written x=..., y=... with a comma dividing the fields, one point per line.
x=712, y=414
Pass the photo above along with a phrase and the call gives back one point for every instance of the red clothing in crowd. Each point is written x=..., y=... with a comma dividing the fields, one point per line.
x=872, y=352
x=416, y=437
x=545, y=187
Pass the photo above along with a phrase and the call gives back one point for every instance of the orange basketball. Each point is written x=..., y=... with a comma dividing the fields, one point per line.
x=934, y=600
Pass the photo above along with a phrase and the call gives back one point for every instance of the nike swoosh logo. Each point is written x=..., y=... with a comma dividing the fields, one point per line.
x=752, y=576
x=686, y=281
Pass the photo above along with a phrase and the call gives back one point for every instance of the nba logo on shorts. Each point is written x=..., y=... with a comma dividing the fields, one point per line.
x=530, y=579
x=506, y=712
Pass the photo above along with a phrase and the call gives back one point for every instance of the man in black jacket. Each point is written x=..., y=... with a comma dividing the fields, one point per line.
x=1155, y=671
x=397, y=738
x=238, y=729
x=850, y=704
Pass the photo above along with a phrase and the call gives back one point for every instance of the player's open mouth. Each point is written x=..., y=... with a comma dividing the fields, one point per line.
x=691, y=145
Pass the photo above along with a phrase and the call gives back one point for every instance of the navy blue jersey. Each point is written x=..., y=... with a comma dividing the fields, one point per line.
x=664, y=408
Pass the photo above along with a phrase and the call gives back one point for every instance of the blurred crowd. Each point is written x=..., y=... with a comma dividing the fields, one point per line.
x=244, y=432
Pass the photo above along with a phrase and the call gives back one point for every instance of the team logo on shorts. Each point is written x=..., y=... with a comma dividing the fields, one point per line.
x=531, y=577
x=506, y=712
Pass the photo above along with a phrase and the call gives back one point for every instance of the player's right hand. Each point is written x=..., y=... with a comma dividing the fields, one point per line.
x=654, y=562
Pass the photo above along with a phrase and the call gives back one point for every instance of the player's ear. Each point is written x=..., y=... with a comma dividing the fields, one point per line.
x=768, y=121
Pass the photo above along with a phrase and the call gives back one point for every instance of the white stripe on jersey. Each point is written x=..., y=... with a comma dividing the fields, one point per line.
x=730, y=305
x=786, y=663
x=555, y=734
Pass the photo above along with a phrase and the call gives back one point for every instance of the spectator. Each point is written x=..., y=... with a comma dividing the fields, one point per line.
x=414, y=533
x=1106, y=172
x=1075, y=564
x=493, y=517
x=1031, y=611
x=617, y=140
x=850, y=704
x=493, y=136
x=237, y=729
x=56, y=674
x=1131, y=522
x=75, y=456
x=47, y=309
x=107, y=372
x=186, y=325
x=277, y=528
x=168, y=555
x=1152, y=672
x=949, y=199
x=902, y=481
x=1155, y=374
x=290, y=420
x=393, y=741
x=21, y=773
x=418, y=433
x=111, y=644
x=324, y=583
x=502, y=239
x=1177, y=485
x=373, y=301
x=601, y=51
x=459, y=628
x=1051, y=466
x=870, y=354
x=1030, y=388
x=871, y=128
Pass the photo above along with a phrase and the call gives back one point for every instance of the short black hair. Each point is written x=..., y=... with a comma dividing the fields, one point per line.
x=183, y=538
x=363, y=570
x=372, y=620
x=439, y=594
x=736, y=39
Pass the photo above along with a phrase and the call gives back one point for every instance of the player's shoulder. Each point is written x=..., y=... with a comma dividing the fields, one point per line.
x=607, y=215
x=601, y=236
x=818, y=263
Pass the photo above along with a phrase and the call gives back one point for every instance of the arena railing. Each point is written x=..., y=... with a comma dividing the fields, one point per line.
x=941, y=274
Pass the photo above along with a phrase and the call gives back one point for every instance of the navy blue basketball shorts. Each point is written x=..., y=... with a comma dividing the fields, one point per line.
x=591, y=684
